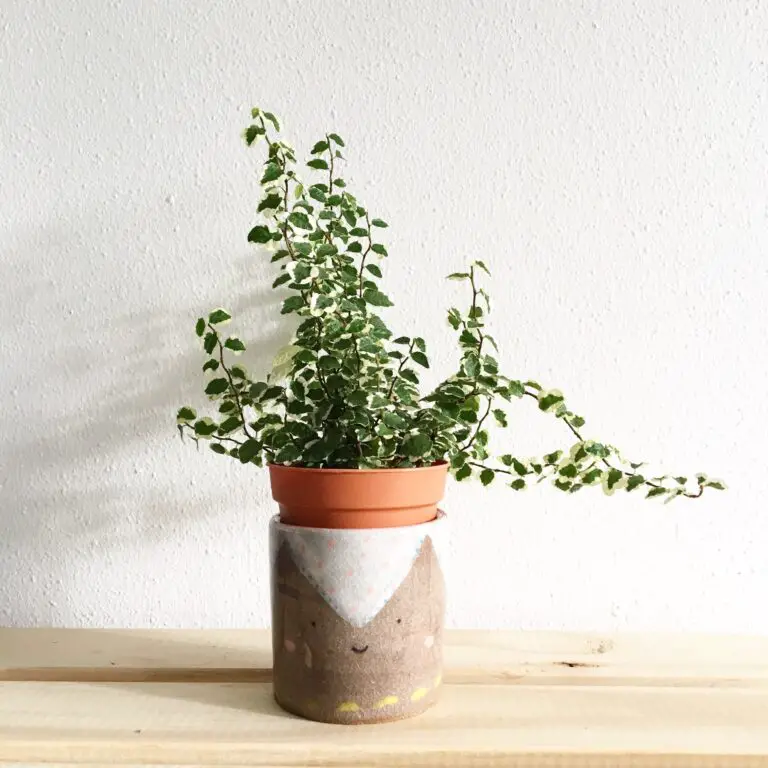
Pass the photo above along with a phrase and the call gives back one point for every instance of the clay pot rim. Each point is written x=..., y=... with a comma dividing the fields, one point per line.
x=278, y=523
x=352, y=471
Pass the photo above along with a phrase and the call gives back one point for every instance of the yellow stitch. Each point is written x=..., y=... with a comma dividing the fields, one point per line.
x=419, y=693
x=387, y=701
x=347, y=706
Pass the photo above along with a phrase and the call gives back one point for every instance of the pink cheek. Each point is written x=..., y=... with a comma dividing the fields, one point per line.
x=429, y=641
x=290, y=646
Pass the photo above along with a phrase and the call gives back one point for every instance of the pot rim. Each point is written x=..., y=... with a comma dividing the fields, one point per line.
x=277, y=523
x=351, y=470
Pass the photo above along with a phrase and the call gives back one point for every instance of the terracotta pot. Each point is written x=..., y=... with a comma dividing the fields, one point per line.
x=357, y=620
x=357, y=498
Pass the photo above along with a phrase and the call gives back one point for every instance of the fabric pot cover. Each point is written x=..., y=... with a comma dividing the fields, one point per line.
x=357, y=620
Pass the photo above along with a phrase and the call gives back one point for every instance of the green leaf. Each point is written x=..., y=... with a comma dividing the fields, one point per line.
x=379, y=223
x=459, y=459
x=486, y=476
x=500, y=416
x=317, y=194
x=291, y=304
x=219, y=316
x=272, y=119
x=321, y=146
x=549, y=400
x=270, y=202
x=238, y=372
x=571, y=470
x=417, y=445
x=218, y=448
x=591, y=476
x=597, y=449
x=257, y=389
x=200, y=326
x=373, y=269
x=210, y=342
x=517, y=485
x=205, y=427
x=281, y=279
x=655, y=492
x=350, y=218
x=471, y=365
x=335, y=137
x=216, y=386
x=516, y=389
x=287, y=454
x=252, y=132
x=464, y=472
x=613, y=477
x=300, y=220
x=483, y=267
x=409, y=375
x=716, y=484
x=459, y=276
x=635, y=481
x=354, y=247
x=185, y=414
x=358, y=397
x=394, y=421
x=379, y=248
x=259, y=234
x=248, y=450
x=402, y=340
x=272, y=393
x=519, y=467
x=506, y=460
x=420, y=358
x=230, y=425
x=376, y=298
x=211, y=365
x=328, y=363
x=577, y=422
x=321, y=165
x=234, y=344
x=272, y=171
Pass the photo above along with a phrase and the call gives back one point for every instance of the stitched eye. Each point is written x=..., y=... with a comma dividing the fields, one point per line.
x=399, y=621
x=314, y=623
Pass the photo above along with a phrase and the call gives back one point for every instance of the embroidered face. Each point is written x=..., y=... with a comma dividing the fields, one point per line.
x=322, y=657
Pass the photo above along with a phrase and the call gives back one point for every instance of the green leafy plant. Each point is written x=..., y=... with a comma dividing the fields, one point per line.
x=345, y=393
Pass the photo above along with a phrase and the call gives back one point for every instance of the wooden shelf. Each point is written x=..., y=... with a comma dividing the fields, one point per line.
x=203, y=698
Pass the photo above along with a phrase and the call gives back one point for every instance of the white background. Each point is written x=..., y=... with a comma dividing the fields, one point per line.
x=607, y=159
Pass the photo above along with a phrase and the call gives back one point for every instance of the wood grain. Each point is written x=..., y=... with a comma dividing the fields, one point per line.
x=527, y=699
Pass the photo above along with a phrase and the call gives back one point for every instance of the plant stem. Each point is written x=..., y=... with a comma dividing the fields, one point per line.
x=231, y=382
x=472, y=439
x=365, y=255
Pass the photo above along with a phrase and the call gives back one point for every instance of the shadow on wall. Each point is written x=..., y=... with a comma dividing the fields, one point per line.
x=88, y=457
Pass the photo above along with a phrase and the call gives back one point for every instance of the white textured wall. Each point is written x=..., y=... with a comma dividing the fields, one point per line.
x=607, y=159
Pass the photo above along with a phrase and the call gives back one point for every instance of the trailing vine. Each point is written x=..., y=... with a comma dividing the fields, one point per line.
x=346, y=392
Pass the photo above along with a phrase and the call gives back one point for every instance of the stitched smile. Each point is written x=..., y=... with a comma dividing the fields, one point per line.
x=359, y=650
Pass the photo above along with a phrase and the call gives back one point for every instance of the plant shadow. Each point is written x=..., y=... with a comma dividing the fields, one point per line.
x=91, y=458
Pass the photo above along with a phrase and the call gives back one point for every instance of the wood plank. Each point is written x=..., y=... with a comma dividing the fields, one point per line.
x=470, y=656
x=524, y=699
x=231, y=724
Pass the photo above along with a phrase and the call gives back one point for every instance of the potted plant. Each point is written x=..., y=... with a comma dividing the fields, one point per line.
x=358, y=454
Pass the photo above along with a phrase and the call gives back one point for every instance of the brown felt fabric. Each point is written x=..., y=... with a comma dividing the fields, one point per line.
x=396, y=670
